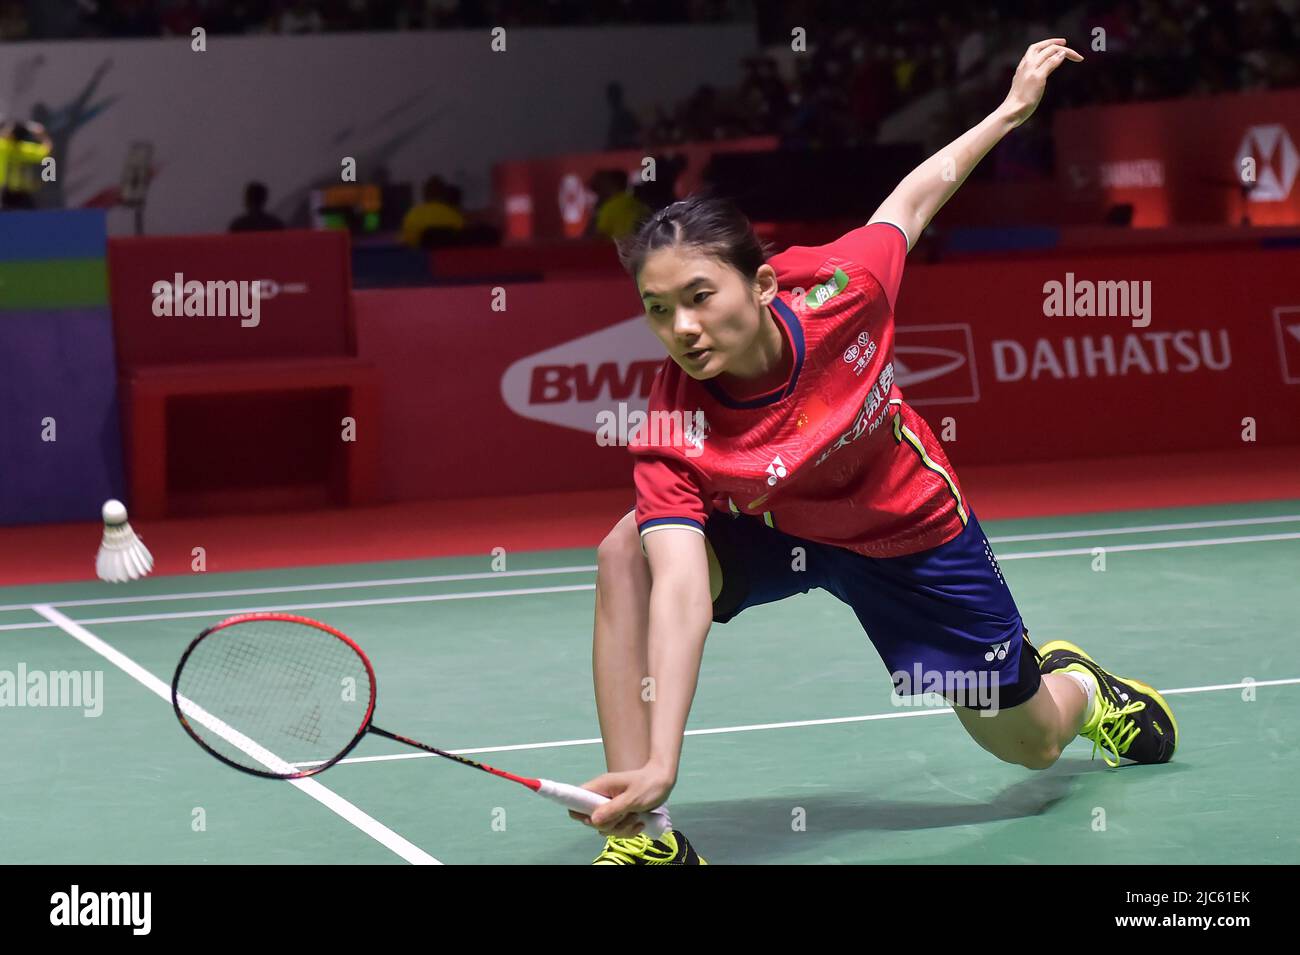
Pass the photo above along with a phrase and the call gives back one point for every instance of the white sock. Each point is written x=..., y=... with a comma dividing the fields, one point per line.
x=664, y=810
x=1089, y=684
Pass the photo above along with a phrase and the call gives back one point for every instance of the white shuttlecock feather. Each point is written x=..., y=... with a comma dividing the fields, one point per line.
x=122, y=555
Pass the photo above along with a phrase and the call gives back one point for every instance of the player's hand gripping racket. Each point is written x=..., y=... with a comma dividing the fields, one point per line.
x=260, y=689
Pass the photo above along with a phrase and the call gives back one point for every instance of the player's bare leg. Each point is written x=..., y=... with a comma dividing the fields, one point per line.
x=620, y=645
x=1033, y=733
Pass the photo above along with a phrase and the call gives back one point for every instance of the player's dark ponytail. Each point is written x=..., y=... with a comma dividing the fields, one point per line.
x=712, y=224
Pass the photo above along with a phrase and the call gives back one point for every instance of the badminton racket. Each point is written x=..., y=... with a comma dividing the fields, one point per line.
x=286, y=697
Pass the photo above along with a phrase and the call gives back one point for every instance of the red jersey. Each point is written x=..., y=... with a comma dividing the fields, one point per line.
x=833, y=455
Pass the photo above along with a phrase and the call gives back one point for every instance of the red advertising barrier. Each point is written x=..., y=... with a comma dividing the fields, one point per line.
x=1185, y=161
x=190, y=298
x=549, y=199
x=443, y=354
x=1219, y=342
x=241, y=343
x=481, y=402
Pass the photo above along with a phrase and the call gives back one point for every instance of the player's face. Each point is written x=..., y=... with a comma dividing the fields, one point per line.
x=702, y=309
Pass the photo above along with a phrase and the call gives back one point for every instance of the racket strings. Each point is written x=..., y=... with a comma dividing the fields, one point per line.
x=291, y=688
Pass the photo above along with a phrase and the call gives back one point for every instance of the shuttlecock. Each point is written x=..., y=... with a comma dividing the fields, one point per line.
x=122, y=555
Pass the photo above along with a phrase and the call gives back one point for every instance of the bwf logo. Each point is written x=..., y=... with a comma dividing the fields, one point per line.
x=103, y=908
x=197, y=299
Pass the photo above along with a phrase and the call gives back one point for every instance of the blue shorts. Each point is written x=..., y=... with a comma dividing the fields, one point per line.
x=943, y=620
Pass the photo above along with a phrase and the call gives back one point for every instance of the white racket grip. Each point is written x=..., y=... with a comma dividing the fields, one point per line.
x=585, y=801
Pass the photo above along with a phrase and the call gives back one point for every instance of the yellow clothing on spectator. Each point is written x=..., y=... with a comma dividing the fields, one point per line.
x=619, y=215
x=426, y=215
x=20, y=164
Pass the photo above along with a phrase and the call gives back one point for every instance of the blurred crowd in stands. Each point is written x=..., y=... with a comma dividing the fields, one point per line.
x=63, y=19
x=870, y=72
x=864, y=60
x=865, y=67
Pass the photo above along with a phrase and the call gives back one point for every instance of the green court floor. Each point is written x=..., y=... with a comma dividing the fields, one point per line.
x=793, y=720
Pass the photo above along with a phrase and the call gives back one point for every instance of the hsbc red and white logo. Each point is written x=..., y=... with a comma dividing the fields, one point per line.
x=1287, y=320
x=935, y=364
x=1276, y=161
x=573, y=199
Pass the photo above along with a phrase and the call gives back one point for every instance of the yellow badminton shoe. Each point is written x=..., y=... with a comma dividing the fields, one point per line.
x=1128, y=718
x=671, y=848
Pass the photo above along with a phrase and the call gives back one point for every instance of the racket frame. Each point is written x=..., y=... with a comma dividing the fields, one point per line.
x=275, y=617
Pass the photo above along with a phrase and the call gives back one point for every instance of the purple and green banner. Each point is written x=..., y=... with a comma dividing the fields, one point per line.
x=60, y=437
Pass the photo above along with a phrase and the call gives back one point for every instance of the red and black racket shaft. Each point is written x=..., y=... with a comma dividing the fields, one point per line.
x=533, y=784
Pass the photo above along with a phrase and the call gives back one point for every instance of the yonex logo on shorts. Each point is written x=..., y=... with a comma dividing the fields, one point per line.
x=998, y=652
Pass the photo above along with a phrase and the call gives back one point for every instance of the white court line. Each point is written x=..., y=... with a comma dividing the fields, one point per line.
x=326, y=797
x=927, y=711
x=1144, y=529
x=344, y=585
x=375, y=602
x=590, y=568
x=522, y=591
x=1158, y=545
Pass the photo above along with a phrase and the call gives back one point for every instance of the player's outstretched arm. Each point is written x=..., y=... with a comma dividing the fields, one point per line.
x=924, y=190
x=681, y=611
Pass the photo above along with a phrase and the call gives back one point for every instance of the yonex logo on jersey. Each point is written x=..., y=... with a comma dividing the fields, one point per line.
x=819, y=295
x=998, y=652
x=775, y=470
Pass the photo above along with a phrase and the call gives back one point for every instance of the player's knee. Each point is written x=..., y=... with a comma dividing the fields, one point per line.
x=620, y=551
x=1036, y=756
x=1029, y=751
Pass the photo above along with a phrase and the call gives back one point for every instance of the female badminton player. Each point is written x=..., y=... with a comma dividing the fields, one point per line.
x=809, y=470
